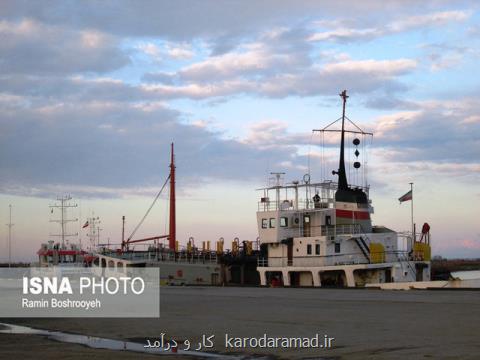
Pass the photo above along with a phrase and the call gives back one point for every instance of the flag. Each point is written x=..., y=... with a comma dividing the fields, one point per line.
x=406, y=197
x=85, y=225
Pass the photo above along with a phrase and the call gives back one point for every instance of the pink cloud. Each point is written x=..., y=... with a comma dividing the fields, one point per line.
x=471, y=244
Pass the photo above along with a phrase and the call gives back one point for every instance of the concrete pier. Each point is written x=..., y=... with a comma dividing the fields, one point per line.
x=366, y=323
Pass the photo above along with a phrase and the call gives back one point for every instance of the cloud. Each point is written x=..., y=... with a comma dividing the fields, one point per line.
x=389, y=102
x=443, y=56
x=439, y=131
x=345, y=34
x=185, y=20
x=70, y=93
x=275, y=51
x=179, y=51
x=466, y=171
x=112, y=149
x=31, y=47
x=363, y=76
x=271, y=134
x=472, y=119
x=380, y=68
x=428, y=20
x=55, y=89
x=227, y=66
x=42, y=190
x=278, y=65
x=151, y=50
x=470, y=244
x=446, y=61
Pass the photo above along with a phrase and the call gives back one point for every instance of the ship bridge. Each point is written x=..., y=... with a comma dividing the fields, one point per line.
x=303, y=210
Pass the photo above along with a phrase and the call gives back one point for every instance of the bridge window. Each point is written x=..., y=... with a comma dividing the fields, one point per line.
x=337, y=248
x=317, y=249
x=264, y=223
x=272, y=223
x=283, y=222
x=309, y=249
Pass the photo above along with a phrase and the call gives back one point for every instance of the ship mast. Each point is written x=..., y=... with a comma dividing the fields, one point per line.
x=63, y=206
x=94, y=231
x=172, y=235
x=10, y=236
x=172, y=226
x=344, y=192
x=342, y=176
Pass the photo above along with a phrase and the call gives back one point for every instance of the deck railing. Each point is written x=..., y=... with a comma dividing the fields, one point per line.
x=328, y=231
x=273, y=205
x=333, y=260
x=182, y=256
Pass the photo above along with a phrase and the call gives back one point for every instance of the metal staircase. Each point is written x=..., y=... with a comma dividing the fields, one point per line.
x=403, y=259
x=363, y=247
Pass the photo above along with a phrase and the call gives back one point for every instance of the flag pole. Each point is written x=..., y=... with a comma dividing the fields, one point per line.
x=411, y=211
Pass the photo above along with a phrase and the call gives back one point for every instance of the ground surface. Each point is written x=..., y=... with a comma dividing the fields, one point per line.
x=366, y=324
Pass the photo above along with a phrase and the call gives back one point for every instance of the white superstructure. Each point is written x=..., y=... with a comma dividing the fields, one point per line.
x=315, y=234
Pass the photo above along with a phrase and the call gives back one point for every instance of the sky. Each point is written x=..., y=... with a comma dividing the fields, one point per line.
x=92, y=94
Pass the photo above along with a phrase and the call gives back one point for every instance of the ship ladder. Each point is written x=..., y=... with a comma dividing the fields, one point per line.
x=363, y=247
x=404, y=259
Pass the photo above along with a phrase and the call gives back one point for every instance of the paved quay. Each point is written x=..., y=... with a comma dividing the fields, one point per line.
x=366, y=323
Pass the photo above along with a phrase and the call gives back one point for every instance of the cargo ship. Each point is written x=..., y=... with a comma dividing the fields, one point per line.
x=321, y=233
x=310, y=234
x=64, y=252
